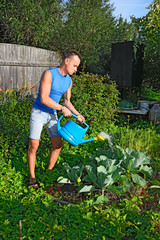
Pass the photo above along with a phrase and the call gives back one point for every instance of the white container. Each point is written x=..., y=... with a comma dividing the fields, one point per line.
x=144, y=104
x=154, y=113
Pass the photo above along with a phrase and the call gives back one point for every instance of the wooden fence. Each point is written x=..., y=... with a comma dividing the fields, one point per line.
x=23, y=66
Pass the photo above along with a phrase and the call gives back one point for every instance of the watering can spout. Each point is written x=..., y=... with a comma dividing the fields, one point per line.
x=87, y=140
x=99, y=137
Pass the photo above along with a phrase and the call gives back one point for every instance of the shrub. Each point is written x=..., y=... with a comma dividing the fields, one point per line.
x=95, y=100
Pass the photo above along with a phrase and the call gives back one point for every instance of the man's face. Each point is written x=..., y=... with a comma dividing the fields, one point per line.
x=72, y=64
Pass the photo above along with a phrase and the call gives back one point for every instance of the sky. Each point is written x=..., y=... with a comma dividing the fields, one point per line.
x=131, y=7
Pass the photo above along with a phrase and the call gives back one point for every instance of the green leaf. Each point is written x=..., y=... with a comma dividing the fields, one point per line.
x=156, y=184
x=116, y=189
x=101, y=158
x=148, y=171
x=125, y=181
x=86, y=188
x=101, y=169
x=73, y=172
x=138, y=180
x=120, y=152
x=92, y=172
x=91, y=167
x=136, y=158
x=102, y=177
x=102, y=199
x=112, y=169
x=106, y=162
x=116, y=174
x=66, y=166
x=63, y=180
x=104, y=181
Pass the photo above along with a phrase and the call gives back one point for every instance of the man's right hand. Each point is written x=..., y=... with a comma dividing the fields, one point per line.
x=66, y=112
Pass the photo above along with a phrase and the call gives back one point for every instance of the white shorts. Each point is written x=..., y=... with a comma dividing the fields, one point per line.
x=38, y=119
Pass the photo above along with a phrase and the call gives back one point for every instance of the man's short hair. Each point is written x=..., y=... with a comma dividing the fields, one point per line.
x=70, y=53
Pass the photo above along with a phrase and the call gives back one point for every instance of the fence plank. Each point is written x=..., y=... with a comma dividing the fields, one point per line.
x=22, y=65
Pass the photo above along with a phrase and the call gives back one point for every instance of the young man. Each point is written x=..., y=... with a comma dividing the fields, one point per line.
x=54, y=83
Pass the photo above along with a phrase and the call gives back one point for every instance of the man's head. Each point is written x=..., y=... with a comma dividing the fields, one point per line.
x=71, y=61
x=70, y=54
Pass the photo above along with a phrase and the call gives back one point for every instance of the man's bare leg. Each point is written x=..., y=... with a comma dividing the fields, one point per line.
x=57, y=146
x=31, y=159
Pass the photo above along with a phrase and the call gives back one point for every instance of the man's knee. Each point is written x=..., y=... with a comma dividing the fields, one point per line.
x=56, y=143
x=33, y=145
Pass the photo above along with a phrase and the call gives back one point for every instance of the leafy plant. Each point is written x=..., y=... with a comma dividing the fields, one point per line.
x=152, y=94
x=141, y=136
x=113, y=165
x=95, y=100
x=149, y=30
x=74, y=174
x=102, y=175
x=27, y=22
x=156, y=184
x=133, y=164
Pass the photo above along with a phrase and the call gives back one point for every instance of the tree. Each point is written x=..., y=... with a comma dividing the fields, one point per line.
x=150, y=34
x=33, y=23
x=88, y=27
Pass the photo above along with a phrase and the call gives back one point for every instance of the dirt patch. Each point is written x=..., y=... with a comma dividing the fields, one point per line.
x=67, y=194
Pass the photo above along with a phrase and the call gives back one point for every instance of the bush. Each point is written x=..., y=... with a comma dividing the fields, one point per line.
x=151, y=94
x=95, y=100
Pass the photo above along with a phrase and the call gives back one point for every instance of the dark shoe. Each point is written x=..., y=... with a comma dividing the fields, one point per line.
x=34, y=183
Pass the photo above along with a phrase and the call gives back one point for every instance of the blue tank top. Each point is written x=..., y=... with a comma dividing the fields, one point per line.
x=59, y=86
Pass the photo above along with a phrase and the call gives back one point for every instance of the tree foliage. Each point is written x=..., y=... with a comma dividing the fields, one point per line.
x=149, y=33
x=89, y=27
x=86, y=25
x=152, y=32
x=32, y=23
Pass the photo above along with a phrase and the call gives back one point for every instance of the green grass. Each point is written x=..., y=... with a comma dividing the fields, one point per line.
x=41, y=217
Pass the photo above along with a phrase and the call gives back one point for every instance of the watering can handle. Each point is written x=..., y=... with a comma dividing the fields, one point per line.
x=59, y=127
x=83, y=122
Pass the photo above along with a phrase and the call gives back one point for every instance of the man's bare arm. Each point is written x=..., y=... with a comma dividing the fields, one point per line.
x=46, y=82
x=69, y=105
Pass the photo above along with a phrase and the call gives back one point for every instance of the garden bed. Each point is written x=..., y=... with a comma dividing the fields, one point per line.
x=67, y=194
x=124, y=216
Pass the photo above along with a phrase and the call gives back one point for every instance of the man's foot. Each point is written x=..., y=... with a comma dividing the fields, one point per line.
x=33, y=182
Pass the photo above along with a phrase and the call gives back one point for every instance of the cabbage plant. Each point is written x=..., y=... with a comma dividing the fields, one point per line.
x=115, y=164
x=73, y=174
x=115, y=169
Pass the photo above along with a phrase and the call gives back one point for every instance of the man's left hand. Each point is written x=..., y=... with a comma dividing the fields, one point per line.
x=80, y=119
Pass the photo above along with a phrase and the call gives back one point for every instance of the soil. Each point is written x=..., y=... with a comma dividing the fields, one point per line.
x=67, y=194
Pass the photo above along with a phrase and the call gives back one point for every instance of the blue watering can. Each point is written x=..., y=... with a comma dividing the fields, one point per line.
x=73, y=132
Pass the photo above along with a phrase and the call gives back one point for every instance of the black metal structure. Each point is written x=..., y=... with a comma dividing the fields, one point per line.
x=127, y=64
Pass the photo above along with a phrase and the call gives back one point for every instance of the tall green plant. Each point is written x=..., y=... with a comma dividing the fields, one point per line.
x=96, y=100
